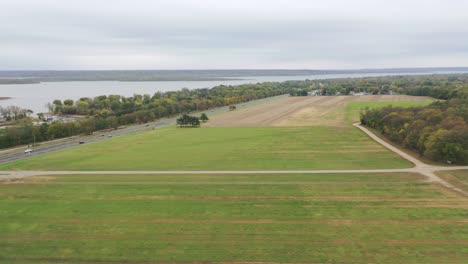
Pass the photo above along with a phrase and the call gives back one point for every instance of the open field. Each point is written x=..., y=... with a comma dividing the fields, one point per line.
x=224, y=148
x=235, y=218
x=332, y=145
x=333, y=218
x=312, y=110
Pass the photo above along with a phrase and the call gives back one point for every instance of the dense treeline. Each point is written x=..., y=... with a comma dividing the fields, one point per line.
x=14, y=113
x=438, y=131
x=298, y=93
x=437, y=86
x=111, y=111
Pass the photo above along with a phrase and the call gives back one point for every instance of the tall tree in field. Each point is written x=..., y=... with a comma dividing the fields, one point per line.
x=204, y=117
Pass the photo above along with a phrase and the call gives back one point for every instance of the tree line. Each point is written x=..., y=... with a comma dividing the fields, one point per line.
x=438, y=131
x=14, y=113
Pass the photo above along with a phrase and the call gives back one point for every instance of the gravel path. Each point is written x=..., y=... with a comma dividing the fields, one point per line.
x=420, y=167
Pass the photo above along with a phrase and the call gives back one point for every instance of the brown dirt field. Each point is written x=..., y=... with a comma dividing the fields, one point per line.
x=301, y=111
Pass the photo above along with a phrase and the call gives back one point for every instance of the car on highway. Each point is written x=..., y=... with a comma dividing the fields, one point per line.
x=80, y=142
x=109, y=136
x=28, y=151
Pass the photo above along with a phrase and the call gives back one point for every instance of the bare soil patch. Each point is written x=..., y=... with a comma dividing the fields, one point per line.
x=301, y=111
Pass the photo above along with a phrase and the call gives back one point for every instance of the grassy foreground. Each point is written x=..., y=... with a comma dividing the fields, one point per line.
x=330, y=218
x=221, y=148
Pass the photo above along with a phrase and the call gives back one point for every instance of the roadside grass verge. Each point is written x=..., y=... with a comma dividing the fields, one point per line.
x=327, y=218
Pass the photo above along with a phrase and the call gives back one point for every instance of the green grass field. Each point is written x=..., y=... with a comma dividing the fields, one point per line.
x=328, y=218
x=221, y=148
x=264, y=218
x=242, y=148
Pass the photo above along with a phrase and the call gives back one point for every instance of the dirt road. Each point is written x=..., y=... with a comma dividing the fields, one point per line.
x=420, y=167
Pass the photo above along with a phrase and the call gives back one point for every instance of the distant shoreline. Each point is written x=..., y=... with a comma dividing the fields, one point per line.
x=35, y=77
x=5, y=98
x=9, y=81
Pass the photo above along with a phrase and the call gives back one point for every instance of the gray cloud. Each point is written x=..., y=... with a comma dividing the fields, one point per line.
x=139, y=34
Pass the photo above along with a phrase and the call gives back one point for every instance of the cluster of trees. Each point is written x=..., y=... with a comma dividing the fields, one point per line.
x=438, y=131
x=14, y=113
x=204, y=117
x=188, y=121
x=299, y=93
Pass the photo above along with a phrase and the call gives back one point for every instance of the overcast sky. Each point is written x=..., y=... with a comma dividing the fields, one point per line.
x=221, y=34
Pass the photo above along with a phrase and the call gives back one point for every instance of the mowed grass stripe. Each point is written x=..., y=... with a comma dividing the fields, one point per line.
x=364, y=221
x=217, y=148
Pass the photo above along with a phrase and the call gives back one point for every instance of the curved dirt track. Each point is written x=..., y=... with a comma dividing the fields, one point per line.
x=420, y=167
